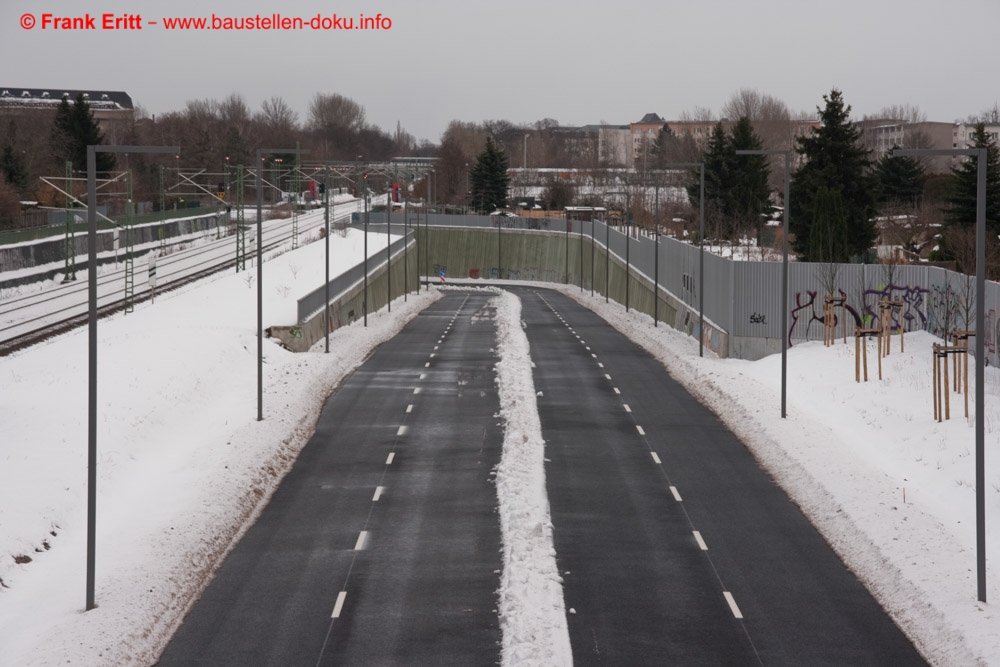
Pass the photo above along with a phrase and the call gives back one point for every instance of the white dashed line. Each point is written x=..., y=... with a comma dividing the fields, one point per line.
x=700, y=541
x=427, y=365
x=339, y=605
x=423, y=375
x=593, y=355
x=432, y=355
x=588, y=348
x=625, y=405
x=677, y=495
x=388, y=459
x=401, y=430
x=362, y=538
x=639, y=429
x=617, y=390
x=416, y=390
x=435, y=347
x=378, y=493
x=600, y=365
x=732, y=604
x=656, y=459
x=607, y=377
x=409, y=408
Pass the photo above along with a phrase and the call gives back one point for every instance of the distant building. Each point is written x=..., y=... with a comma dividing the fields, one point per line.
x=113, y=110
x=643, y=135
x=880, y=136
x=613, y=143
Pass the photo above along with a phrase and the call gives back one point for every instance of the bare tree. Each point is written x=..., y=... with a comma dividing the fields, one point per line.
x=335, y=111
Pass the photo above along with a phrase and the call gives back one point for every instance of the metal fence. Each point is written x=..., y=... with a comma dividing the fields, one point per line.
x=743, y=298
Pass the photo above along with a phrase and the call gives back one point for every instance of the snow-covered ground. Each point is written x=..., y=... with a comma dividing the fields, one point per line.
x=183, y=464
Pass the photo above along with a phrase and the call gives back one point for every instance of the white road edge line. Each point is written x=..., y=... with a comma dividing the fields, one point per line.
x=362, y=538
x=701, y=542
x=339, y=605
x=656, y=459
x=378, y=493
x=388, y=459
x=677, y=495
x=732, y=604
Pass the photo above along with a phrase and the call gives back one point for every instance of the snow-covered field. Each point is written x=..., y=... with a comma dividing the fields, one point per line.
x=183, y=464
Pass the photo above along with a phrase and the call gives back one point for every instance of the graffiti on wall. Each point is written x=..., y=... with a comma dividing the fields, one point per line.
x=913, y=316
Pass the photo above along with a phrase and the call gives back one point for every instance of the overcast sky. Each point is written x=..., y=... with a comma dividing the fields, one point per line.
x=577, y=62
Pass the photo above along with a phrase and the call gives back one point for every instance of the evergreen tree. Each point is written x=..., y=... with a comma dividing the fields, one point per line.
x=749, y=198
x=13, y=169
x=73, y=130
x=488, y=180
x=828, y=232
x=737, y=195
x=962, y=190
x=900, y=180
x=835, y=159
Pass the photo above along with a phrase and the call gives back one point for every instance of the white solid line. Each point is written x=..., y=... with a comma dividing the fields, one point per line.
x=378, y=493
x=732, y=604
x=639, y=429
x=401, y=430
x=416, y=390
x=625, y=405
x=617, y=391
x=656, y=459
x=362, y=537
x=339, y=605
x=700, y=541
x=409, y=408
x=677, y=495
x=388, y=459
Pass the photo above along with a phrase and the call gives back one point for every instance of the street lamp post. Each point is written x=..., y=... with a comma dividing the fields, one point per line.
x=92, y=152
x=981, y=157
x=326, y=284
x=701, y=247
x=784, y=269
x=388, y=249
x=260, y=269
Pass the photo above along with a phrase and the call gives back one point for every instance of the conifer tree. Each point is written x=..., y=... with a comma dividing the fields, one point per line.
x=489, y=181
x=828, y=232
x=962, y=190
x=900, y=180
x=835, y=159
x=73, y=130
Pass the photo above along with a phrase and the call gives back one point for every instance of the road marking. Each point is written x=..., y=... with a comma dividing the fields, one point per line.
x=401, y=430
x=388, y=459
x=435, y=347
x=427, y=365
x=416, y=390
x=409, y=408
x=639, y=429
x=378, y=493
x=339, y=605
x=625, y=405
x=600, y=365
x=423, y=375
x=732, y=604
x=432, y=355
x=617, y=391
x=656, y=459
x=607, y=377
x=362, y=538
x=588, y=348
x=700, y=541
x=677, y=495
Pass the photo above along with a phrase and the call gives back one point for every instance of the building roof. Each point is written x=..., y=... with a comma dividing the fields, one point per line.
x=42, y=98
x=651, y=119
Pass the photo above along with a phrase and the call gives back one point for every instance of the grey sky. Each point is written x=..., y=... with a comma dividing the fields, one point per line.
x=578, y=62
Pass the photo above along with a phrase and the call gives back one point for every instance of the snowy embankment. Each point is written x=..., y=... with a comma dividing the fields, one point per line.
x=532, y=611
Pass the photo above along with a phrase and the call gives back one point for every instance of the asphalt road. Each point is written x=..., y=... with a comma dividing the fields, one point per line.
x=675, y=547
x=382, y=545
